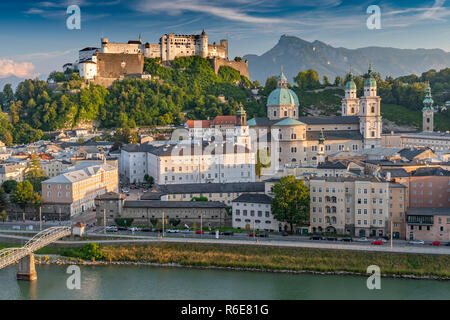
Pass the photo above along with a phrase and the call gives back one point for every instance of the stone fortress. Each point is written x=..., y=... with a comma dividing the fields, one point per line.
x=115, y=60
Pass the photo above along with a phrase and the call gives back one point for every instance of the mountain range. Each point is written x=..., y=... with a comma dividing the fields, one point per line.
x=296, y=54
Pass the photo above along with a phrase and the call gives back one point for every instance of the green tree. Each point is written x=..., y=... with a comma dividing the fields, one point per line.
x=9, y=186
x=149, y=179
x=3, y=199
x=291, y=201
x=307, y=80
x=23, y=195
x=202, y=198
x=3, y=215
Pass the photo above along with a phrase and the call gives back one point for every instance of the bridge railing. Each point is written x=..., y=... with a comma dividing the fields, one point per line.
x=11, y=255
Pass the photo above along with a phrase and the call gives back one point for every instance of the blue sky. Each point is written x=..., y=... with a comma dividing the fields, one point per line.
x=34, y=38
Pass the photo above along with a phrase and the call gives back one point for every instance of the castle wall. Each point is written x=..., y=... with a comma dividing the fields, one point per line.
x=111, y=65
x=242, y=67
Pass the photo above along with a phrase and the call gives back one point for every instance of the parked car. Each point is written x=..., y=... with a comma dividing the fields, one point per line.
x=157, y=230
x=435, y=243
x=122, y=228
x=16, y=227
x=111, y=229
x=316, y=237
x=347, y=239
x=414, y=242
x=377, y=242
x=362, y=239
x=146, y=229
x=173, y=231
x=448, y=244
x=263, y=235
x=200, y=232
x=332, y=238
x=133, y=229
x=227, y=233
x=252, y=234
x=185, y=231
x=284, y=233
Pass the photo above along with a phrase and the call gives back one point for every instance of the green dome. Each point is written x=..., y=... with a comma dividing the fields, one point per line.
x=370, y=81
x=282, y=97
x=350, y=85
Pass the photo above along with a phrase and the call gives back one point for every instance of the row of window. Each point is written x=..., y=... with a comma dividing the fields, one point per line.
x=252, y=213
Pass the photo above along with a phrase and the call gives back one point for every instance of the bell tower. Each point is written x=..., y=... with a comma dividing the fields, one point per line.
x=350, y=103
x=370, y=113
x=428, y=112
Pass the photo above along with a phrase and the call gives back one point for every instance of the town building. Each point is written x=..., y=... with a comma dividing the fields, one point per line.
x=187, y=162
x=73, y=191
x=143, y=212
x=349, y=205
x=430, y=187
x=53, y=167
x=428, y=224
x=222, y=192
x=12, y=171
x=398, y=203
x=253, y=212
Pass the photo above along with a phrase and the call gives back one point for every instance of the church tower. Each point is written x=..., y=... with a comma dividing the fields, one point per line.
x=241, y=131
x=321, y=149
x=350, y=103
x=370, y=113
x=428, y=112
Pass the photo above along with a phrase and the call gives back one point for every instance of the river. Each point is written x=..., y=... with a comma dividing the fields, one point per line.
x=146, y=282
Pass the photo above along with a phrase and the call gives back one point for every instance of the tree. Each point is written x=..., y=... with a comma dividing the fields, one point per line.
x=149, y=179
x=307, y=80
x=23, y=195
x=238, y=59
x=3, y=215
x=9, y=186
x=34, y=169
x=3, y=199
x=291, y=201
x=326, y=82
x=202, y=198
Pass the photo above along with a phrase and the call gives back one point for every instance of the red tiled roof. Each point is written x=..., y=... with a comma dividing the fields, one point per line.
x=198, y=123
x=219, y=120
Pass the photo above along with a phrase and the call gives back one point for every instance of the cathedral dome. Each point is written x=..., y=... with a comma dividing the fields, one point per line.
x=350, y=85
x=282, y=97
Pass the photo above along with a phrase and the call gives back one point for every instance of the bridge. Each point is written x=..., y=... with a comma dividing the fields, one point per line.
x=24, y=255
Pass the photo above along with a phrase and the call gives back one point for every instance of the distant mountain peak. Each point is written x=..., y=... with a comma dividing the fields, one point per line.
x=297, y=54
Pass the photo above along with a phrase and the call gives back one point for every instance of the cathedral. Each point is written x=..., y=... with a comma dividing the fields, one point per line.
x=306, y=141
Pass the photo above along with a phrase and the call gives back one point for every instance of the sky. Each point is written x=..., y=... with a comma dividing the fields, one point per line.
x=34, y=38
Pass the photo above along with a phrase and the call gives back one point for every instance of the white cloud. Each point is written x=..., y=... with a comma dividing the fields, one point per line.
x=209, y=7
x=9, y=67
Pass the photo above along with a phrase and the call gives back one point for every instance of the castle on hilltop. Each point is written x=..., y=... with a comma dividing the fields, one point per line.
x=115, y=60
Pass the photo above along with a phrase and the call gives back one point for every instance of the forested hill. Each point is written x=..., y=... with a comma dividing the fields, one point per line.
x=188, y=89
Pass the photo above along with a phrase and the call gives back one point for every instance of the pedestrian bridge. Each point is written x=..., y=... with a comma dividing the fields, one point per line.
x=24, y=255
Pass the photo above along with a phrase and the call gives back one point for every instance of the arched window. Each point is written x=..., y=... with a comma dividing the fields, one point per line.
x=373, y=109
x=353, y=110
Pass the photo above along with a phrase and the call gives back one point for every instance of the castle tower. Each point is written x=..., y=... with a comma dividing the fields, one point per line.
x=203, y=44
x=321, y=149
x=428, y=112
x=282, y=102
x=350, y=103
x=370, y=113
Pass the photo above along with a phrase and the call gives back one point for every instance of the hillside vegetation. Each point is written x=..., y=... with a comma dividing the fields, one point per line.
x=189, y=89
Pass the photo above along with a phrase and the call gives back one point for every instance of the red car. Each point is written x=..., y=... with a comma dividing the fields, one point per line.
x=377, y=242
x=252, y=234
x=200, y=232
x=435, y=243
